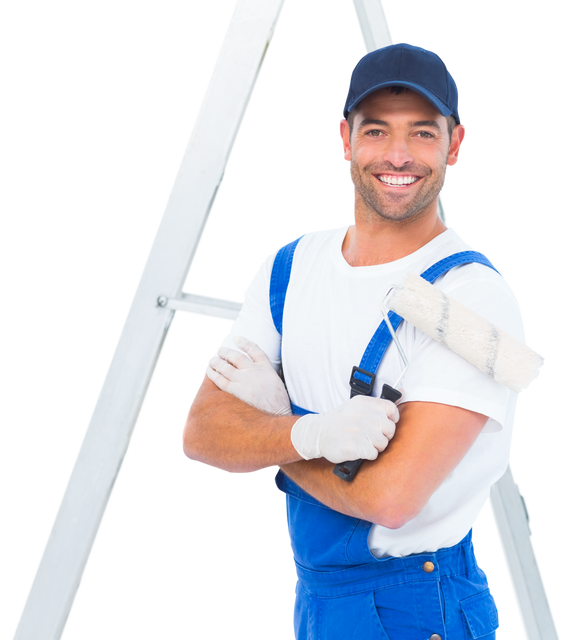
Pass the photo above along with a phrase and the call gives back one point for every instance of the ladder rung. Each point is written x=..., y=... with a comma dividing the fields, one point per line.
x=201, y=304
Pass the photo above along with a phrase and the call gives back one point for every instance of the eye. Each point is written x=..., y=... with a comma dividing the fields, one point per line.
x=375, y=133
x=424, y=134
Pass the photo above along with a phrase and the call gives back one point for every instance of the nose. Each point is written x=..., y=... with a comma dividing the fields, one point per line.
x=397, y=151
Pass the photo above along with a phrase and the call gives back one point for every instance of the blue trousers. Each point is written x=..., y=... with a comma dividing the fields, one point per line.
x=344, y=593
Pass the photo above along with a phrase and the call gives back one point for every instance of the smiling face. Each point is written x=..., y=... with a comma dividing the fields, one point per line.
x=399, y=148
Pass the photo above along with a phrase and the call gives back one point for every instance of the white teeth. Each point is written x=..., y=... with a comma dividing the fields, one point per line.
x=398, y=180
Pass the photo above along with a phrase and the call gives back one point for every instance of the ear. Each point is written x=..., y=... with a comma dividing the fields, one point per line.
x=345, y=133
x=456, y=139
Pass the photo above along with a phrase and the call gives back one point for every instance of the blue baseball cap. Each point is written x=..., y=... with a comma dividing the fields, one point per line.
x=403, y=65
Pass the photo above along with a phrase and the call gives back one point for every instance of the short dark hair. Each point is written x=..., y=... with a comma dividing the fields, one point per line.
x=398, y=90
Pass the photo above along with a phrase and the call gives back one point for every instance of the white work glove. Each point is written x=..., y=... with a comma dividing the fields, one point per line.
x=250, y=378
x=359, y=428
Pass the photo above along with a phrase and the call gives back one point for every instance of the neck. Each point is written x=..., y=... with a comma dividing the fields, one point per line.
x=375, y=240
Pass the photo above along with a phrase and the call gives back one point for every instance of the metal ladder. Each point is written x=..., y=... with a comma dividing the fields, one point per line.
x=157, y=298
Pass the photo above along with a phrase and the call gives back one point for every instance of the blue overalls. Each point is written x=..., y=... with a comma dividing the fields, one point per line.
x=343, y=591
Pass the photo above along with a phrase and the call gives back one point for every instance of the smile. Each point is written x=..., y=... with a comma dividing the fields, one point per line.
x=397, y=181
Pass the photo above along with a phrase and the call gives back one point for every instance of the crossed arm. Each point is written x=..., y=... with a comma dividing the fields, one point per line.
x=429, y=442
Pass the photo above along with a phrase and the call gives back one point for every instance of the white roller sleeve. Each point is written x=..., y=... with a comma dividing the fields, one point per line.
x=493, y=351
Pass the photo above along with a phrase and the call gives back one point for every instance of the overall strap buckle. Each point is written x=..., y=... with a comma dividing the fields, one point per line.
x=361, y=382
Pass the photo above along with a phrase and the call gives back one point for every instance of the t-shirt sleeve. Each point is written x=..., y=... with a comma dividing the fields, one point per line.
x=255, y=319
x=436, y=374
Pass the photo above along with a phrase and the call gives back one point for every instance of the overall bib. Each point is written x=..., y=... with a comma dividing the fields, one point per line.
x=343, y=591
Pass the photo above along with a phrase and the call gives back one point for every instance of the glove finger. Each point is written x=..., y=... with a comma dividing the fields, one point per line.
x=380, y=443
x=235, y=358
x=251, y=348
x=223, y=367
x=373, y=407
x=389, y=429
x=218, y=364
x=220, y=381
x=215, y=363
x=370, y=452
x=391, y=410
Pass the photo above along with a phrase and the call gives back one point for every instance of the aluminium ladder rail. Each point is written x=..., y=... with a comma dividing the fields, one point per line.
x=156, y=300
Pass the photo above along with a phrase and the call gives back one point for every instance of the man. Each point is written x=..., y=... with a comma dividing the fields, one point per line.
x=389, y=554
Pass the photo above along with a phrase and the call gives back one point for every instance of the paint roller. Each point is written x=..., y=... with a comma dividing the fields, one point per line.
x=493, y=351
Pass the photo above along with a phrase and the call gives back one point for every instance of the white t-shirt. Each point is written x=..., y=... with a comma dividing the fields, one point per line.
x=330, y=314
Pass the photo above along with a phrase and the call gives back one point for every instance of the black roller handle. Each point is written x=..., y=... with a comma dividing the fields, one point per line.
x=347, y=470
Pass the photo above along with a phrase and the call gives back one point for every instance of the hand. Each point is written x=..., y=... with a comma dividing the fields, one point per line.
x=250, y=378
x=359, y=428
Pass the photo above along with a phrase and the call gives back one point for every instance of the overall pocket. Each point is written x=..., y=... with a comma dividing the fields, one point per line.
x=471, y=612
x=481, y=616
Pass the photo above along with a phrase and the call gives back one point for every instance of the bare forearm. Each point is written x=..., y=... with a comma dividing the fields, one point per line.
x=227, y=433
x=353, y=498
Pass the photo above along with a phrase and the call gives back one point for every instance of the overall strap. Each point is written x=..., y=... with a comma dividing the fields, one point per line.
x=279, y=280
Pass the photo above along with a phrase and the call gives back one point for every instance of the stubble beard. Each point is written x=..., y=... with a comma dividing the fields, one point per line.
x=397, y=206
